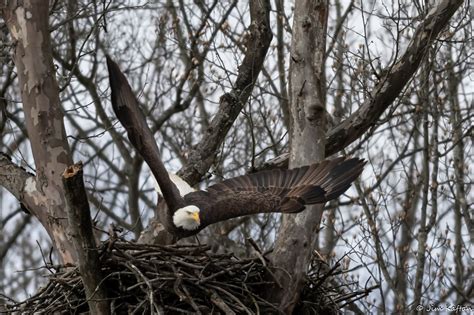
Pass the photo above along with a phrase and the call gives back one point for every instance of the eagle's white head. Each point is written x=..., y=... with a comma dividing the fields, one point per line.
x=187, y=218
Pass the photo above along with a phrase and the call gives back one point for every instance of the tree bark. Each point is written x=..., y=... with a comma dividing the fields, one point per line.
x=43, y=194
x=307, y=134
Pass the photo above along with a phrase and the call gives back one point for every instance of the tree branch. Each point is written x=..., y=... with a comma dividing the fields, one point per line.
x=79, y=217
x=398, y=76
x=390, y=85
x=203, y=155
x=13, y=177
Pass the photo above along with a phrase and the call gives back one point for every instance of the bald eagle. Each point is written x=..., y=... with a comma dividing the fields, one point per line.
x=189, y=211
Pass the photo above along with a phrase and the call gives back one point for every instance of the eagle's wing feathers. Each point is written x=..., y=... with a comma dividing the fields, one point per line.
x=286, y=191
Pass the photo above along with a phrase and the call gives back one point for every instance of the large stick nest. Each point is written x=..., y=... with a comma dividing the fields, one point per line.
x=149, y=279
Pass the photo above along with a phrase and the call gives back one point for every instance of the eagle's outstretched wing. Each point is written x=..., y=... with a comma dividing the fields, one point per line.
x=286, y=191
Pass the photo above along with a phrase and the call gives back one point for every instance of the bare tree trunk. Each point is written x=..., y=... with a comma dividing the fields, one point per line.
x=429, y=178
x=43, y=194
x=307, y=133
x=406, y=238
x=460, y=206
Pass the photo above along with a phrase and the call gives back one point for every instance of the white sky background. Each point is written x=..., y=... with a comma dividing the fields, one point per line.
x=144, y=25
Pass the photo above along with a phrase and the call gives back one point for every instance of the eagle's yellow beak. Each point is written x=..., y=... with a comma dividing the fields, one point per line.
x=196, y=217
